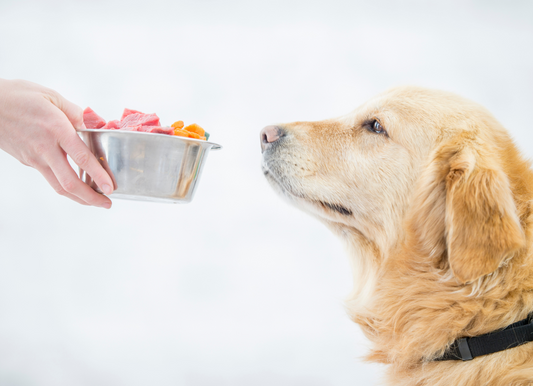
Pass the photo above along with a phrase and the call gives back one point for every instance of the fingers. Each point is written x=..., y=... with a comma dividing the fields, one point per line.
x=48, y=174
x=70, y=182
x=76, y=149
x=44, y=123
x=82, y=156
x=73, y=112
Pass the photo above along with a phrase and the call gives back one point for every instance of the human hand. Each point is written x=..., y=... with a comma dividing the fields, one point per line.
x=37, y=127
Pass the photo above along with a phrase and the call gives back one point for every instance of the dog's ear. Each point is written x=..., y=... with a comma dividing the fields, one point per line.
x=467, y=210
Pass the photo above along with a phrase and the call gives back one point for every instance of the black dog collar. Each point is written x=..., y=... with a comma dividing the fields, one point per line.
x=511, y=336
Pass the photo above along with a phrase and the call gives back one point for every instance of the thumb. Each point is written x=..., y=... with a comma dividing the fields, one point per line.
x=73, y=112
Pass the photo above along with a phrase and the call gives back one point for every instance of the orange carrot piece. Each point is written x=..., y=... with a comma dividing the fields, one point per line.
x=190, y=131
x=178, y=125
x=194, y=128
x=181, y=133
x=193, y=135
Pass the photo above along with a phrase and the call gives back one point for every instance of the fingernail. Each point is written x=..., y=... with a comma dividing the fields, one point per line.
x=106, y=205
x=107, y=189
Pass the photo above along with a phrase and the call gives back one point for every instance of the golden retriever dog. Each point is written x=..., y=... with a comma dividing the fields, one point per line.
x=434, y=203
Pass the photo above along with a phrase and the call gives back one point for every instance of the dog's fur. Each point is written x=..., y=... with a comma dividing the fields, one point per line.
x=437, y=218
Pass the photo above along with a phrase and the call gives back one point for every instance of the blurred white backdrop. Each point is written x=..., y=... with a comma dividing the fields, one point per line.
x=236, y=288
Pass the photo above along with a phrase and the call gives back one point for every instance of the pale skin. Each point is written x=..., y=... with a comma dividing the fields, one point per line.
x=38, y=128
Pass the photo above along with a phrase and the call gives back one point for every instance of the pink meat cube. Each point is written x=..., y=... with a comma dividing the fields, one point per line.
x=129, y=112
x=112, y=125
x=140, y=119
x=157, y=129
x=131, y=128
x=131, y=120
x=92, y=120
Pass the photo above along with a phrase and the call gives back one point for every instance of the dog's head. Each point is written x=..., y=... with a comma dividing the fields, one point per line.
x=411, y=166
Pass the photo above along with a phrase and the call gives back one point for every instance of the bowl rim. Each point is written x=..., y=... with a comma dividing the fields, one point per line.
x=214, y=146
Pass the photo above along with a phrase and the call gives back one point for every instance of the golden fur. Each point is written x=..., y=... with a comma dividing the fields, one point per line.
x=436, y=216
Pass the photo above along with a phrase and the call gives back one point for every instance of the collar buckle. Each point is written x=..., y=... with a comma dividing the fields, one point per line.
x=464, y=349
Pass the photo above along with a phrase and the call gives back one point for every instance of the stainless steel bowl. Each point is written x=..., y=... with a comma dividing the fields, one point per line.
x=146, y=166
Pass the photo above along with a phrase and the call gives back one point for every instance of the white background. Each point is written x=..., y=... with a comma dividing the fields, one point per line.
x=236, y=288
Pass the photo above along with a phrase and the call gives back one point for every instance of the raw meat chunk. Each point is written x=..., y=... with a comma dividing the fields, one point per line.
x=140, y=119
x=157, y=129
x=92, y=120
x=131, y=128
x=129, y=112
x=112, y=125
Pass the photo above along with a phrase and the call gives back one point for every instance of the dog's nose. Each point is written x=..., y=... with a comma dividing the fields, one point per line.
x=269, y=135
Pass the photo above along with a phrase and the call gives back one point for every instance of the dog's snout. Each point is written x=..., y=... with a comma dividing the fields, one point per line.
x=269, y=135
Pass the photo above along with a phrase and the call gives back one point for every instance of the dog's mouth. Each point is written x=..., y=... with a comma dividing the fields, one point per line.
x=281, y=184
x=285, y=188
x=337, y=208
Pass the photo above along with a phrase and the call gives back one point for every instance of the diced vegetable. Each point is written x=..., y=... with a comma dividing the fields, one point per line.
x=194, y=128
x=178, y=125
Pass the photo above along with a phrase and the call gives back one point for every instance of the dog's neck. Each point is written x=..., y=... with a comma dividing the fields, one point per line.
x=412, y=310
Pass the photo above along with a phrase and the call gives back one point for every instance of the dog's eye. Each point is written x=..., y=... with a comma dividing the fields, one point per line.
x=377, y=128
x=374, y=126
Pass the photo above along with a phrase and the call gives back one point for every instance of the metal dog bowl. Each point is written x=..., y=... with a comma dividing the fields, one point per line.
x=146, y=166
